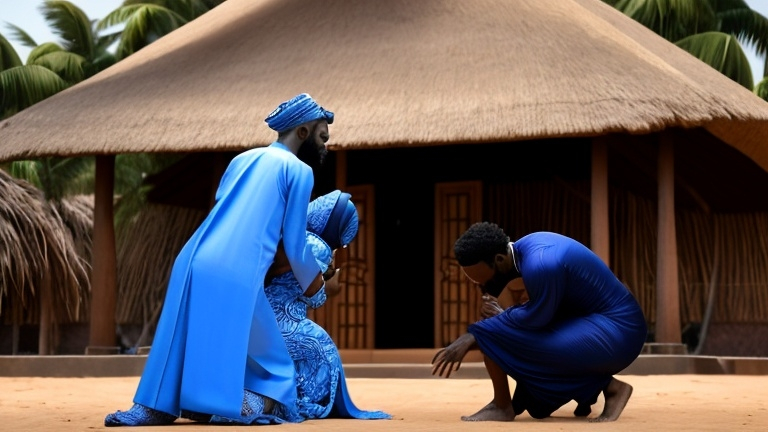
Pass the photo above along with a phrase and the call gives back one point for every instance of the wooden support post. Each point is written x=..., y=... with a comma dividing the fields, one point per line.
x=599, y=229
x=104, y=271
x=667, y=284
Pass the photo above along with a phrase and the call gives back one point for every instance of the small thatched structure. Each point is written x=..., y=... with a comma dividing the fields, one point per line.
x=45, y=251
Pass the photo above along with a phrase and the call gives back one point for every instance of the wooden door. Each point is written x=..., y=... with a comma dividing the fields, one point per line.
x=348, y=317
x=457, y=206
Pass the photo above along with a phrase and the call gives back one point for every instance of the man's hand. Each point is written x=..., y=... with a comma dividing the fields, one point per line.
x=449, y=358
x=490, y=307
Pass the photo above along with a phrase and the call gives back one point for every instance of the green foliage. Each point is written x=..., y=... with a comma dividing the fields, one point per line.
x=81, y=53
x=72, y=25
x=681, y=21
x=671, y=19
x=24, y=86
x=9, y=58
x=130, y=172
x=143, y=24
x=69, y=66
x=722, y=52
x=188, y=9
x=22, y=36
x=761, y=89
x=57, y=177
x=145, y=21
x=749, y=27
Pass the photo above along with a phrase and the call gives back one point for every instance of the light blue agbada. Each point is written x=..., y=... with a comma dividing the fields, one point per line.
x=217, y=334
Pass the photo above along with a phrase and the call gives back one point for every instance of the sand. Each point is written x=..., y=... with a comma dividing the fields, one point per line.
x=659, y=403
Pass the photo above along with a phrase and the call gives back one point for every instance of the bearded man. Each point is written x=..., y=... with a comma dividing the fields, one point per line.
x=217, y=342
x=575, y=327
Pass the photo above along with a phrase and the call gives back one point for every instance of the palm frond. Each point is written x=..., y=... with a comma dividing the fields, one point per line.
x=25, y=170
x=749, y=26
x=130, y=172
x=71, y=24
x=104, y=41
x=761, y=89
x=722, y=52
x=9, y=58
x=43, y=49
x=20, y=35
x=69, y=66
x=671, y=19
x=102, y=61
x=27, y=85
x=143, y=24
x=58, y=175
x=189, y=9
x=212, y=3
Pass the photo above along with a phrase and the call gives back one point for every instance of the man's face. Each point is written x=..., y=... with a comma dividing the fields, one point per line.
x=312, y=150
x=488, y=278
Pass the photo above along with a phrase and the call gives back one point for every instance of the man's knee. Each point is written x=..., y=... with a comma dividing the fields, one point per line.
x=540, y=413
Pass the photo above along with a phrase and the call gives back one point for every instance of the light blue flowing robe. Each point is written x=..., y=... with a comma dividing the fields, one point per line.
x=217, y=334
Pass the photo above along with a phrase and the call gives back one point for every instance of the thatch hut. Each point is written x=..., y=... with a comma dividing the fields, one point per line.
x=566, y=116
x=45, y=252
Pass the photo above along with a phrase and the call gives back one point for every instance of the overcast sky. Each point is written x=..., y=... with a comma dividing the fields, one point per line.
x=26, y=14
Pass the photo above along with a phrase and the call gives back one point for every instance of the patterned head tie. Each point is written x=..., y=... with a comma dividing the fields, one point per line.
x=334, y=218
x=297, y=111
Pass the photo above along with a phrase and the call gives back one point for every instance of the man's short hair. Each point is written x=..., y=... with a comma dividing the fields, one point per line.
x=480, y=242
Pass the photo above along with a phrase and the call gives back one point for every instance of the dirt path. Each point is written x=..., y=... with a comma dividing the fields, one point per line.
x=659, y=403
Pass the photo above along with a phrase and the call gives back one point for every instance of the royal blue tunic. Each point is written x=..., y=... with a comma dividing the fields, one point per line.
x=217, y=334
x=579, y=328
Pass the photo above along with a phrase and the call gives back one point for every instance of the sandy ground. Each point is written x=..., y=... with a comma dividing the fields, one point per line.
x=659, y=403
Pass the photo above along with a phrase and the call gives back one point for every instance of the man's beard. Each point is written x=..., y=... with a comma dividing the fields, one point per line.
x=497, y=283
x=311, y=152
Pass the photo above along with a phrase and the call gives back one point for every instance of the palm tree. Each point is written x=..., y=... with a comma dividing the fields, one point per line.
x=145, y=21
x=50, y=68
x=711, y=30
x=23, y=85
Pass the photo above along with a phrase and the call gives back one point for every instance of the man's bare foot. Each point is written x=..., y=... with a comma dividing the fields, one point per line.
x=491, y=412
x=616, y=396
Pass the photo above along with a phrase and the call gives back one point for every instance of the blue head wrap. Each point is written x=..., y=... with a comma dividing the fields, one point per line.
x=297, y=111
x=334, y=218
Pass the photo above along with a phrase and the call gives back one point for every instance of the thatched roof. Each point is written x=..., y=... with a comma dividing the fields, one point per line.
x=397, y=73
x=43, y=246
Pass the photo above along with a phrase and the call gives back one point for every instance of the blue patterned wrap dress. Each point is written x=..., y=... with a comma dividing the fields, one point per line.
x=580, y=326
x=321, y=388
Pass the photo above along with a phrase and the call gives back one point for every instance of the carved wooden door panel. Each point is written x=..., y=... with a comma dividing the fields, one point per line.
x=457, y=206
